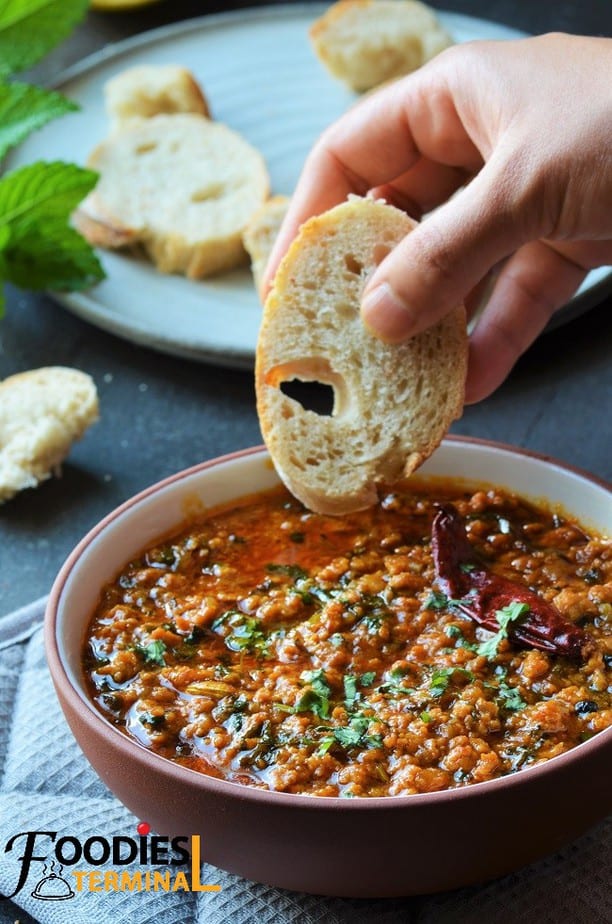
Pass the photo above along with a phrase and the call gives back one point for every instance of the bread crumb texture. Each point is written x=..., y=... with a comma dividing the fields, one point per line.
x=367, y=42
x=42, y=413
x=392, y=403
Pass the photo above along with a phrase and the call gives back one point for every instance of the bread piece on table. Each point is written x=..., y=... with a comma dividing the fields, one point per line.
x=392, y=403
x=181, y=186
x=42, y=413
x=149, y=90
x=367, y=42
x=260, y=234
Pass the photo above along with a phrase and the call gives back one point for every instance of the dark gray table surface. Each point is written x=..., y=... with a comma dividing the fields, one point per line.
x=160, y=414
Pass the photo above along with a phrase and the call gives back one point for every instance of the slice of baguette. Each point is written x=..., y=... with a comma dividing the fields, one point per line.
x=181, y=186
x=260, y=234
x=42, y=413
x=392, y=403
x=148, y=90
x=367, y=42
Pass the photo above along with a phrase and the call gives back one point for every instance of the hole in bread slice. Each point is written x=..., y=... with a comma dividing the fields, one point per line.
x=211, y=191
x=146, y=147
x=353, y=265
x=313, y=384
x=313, y=396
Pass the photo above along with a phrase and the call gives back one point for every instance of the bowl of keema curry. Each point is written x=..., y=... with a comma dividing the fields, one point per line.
x=406, y=699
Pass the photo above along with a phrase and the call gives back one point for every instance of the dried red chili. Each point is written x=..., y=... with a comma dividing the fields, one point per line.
x=479, y=593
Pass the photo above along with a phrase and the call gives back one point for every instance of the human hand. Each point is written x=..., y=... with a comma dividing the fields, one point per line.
x=527, y=125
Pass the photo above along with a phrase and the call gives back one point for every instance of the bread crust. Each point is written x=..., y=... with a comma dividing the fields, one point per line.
x=261, y=232
x=392, y=403
x=149, y=90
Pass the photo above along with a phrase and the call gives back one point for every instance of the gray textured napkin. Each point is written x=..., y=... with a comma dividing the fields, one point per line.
x=46, y=784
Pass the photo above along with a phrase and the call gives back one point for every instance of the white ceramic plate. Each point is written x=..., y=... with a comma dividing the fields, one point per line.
x=262, y=78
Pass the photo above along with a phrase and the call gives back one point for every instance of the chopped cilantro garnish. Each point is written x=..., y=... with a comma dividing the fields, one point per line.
x=440, y=679
x=506, y=615
x=461, y=642
x=153, y=653
x=244, y=632
x=367, y=679
x=425, y=717
x=317, y=695
x=436, y=601
x=350, y=690
x=351, y=736
x=510, y=698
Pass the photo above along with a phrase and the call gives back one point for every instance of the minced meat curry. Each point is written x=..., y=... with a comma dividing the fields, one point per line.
x=278, y=648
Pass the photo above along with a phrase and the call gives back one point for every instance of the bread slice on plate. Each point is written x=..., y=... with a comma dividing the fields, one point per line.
x=42, y=413
x=150, y=90
x=367, y=42
x=180, y=186
x=260, y=234
x=392, y=403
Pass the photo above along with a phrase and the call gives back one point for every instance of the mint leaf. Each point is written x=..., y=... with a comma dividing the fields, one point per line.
x=41, y=190
x=42, y=250
x=23, y=109
x=31, y=28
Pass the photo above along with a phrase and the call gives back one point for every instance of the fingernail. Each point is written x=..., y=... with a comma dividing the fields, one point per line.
x=385, y=314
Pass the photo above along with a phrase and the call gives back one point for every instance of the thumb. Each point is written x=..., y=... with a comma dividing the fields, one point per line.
x=433, y=268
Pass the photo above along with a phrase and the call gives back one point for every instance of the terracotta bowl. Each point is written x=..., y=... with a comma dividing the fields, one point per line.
x=363, y=847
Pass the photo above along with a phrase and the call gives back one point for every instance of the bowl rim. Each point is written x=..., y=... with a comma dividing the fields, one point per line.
x=132, y=750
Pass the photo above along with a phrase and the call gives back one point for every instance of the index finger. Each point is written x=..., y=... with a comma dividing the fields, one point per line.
x=379, y=139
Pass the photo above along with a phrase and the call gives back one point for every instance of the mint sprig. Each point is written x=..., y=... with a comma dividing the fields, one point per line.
x=29, y=29
x=38, y=247
x=25, y=108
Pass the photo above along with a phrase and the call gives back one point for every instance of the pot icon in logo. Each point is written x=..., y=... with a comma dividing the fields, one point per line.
x=52, y=887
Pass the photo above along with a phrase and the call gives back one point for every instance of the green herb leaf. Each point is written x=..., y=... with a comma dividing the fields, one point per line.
x=241, y=632
x=316, y=698
x=505, y=616
x=42, y=251
x=367, y=678
x=353, y=735
x=23, y=109
x=153, y=653
x=350, y=690
x=31, y=28
x=425, y=717
x=510, y=698
x=436, y=601
x=440, y=679
x=461, y=642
